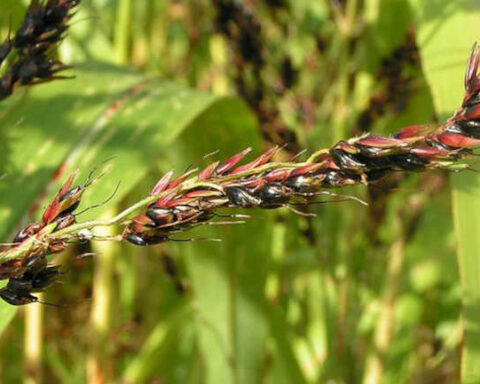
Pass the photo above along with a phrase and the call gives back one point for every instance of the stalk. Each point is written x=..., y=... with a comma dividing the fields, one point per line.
x=98, y=364
x=33, y=343
x=384, y=331
x=385, y=328
x=122, y=31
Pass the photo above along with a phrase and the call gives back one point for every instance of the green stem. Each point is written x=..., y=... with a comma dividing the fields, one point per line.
x=33, y=342
x=375, y=367
x=101, y=313
x=123, y=30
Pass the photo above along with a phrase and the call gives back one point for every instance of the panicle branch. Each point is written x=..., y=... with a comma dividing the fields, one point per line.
x=176, y=205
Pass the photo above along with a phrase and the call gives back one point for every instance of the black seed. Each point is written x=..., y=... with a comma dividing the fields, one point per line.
x=273, y=195
x=475, y=99
x=376, y=163
x=409, y=162
x=346, y=160
x=241, y=197
x=471, y=128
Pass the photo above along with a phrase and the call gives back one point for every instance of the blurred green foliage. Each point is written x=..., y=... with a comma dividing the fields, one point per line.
x=353, y=295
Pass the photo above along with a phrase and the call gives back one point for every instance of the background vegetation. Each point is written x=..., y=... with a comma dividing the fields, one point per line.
x=354, y=295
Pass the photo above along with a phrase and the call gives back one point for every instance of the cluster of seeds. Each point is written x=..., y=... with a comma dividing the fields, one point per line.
x=30, y=49
x=29, y=272
x=218, y=185
x=37, y=275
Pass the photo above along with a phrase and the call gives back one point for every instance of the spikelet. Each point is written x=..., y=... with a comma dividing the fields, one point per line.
x=29, y=272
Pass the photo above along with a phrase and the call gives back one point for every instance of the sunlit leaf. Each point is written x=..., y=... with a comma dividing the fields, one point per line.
x=446, y=33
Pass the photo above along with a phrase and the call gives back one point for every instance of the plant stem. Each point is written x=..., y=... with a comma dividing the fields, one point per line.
x=98, y=367
x=466, y=205
x=33, y=342
x=122, y=31
x=406, y=223
x=385, y=326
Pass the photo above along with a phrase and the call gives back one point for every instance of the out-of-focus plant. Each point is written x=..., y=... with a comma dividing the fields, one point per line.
x=28, y=52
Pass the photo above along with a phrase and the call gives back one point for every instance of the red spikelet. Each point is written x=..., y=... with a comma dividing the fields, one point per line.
x=231, y=162
x=162, y=184
x=56, y=207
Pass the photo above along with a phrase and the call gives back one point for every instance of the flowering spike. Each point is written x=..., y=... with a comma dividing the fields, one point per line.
x=472, y=113
x=305, y=169
x=457, y=140
x=67, y=200
x=143, y=220
x=181, y=201
x=380, y=142
x=55, y=207
x=279, y=174
x=260, y=160
x=410, y=131
x=164, y=200
x=431, y=152
x=175, y=183
x=472, y=67
x=208, y=171
x=231, y=162
x=347, y=147
x=253, y=182
x=202, y=193
x=67, y=184
x=162, y=184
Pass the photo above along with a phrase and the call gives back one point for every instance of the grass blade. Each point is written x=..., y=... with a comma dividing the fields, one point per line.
x=446, y=33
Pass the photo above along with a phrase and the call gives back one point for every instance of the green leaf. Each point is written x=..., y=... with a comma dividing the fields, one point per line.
x=158, y=347
x=12, y=12
x=446, y=32
x=87, y=37
x=228, y=279
x=283, y=347
x=104, y=112
x=6, y=315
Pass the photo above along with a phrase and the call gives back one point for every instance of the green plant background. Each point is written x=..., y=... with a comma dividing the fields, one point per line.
x=385, y=294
